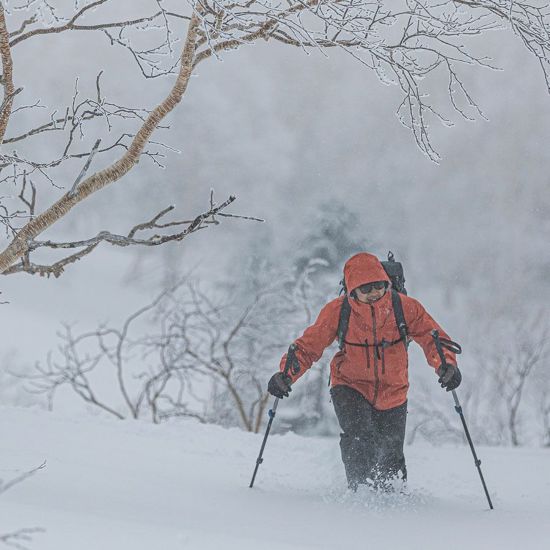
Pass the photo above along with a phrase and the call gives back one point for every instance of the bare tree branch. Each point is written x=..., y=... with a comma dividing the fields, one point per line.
x=72, y=24
x=4, y=486
x=17, y=539
x=20, y=245
x=202, y=221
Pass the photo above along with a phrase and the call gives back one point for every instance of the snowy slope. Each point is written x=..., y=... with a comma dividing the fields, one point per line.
x=131, y=485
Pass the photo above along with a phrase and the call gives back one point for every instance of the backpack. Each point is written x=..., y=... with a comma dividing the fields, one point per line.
x=394, y=271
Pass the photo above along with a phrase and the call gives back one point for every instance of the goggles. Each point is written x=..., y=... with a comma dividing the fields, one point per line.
x=378, y=285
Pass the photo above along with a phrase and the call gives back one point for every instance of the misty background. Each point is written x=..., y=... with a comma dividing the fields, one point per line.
x=311, y=144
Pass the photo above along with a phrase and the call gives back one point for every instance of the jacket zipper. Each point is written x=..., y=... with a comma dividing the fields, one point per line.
x=376, y=354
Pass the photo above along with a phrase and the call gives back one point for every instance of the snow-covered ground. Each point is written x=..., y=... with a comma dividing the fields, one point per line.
x=130, y=485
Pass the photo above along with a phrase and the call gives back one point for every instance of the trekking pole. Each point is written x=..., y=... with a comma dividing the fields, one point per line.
x=289, y=365
x=441, y=343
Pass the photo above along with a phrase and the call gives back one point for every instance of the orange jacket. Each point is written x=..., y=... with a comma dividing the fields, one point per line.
x=379, y=373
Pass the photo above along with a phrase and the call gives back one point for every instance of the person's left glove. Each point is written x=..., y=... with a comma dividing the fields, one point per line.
x=279, y=385
x=449, y=377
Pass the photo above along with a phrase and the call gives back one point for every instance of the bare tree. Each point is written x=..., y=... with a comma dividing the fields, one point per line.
x=512, y=366
x=415, y=44
x=504, y=394
x=144, y=374
x=24, y=170
x=192, y=352
x=182, y=340
x=226, y=344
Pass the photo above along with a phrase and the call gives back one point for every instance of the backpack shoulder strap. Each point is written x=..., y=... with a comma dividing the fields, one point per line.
x=399, y=316
x=343, y=322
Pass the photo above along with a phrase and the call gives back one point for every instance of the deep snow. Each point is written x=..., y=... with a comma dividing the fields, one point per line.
x=130, y=485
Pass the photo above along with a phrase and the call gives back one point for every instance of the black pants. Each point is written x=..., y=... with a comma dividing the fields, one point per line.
x=371, y=440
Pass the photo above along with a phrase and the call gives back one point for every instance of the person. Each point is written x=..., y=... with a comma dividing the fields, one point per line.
x=369, y=376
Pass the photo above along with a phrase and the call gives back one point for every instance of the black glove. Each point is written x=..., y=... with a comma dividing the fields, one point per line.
x=279, y=385
x=449, y=377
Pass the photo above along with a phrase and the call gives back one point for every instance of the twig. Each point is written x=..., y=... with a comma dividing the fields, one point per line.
x=85, y=168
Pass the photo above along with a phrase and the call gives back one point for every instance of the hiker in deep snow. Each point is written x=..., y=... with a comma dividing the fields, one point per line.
x=369, y=375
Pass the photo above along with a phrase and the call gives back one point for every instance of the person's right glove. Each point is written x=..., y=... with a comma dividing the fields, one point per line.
x=449, y=377
x=279, y=385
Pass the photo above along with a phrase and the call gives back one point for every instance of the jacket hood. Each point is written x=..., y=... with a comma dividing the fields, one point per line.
x=363, y=268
